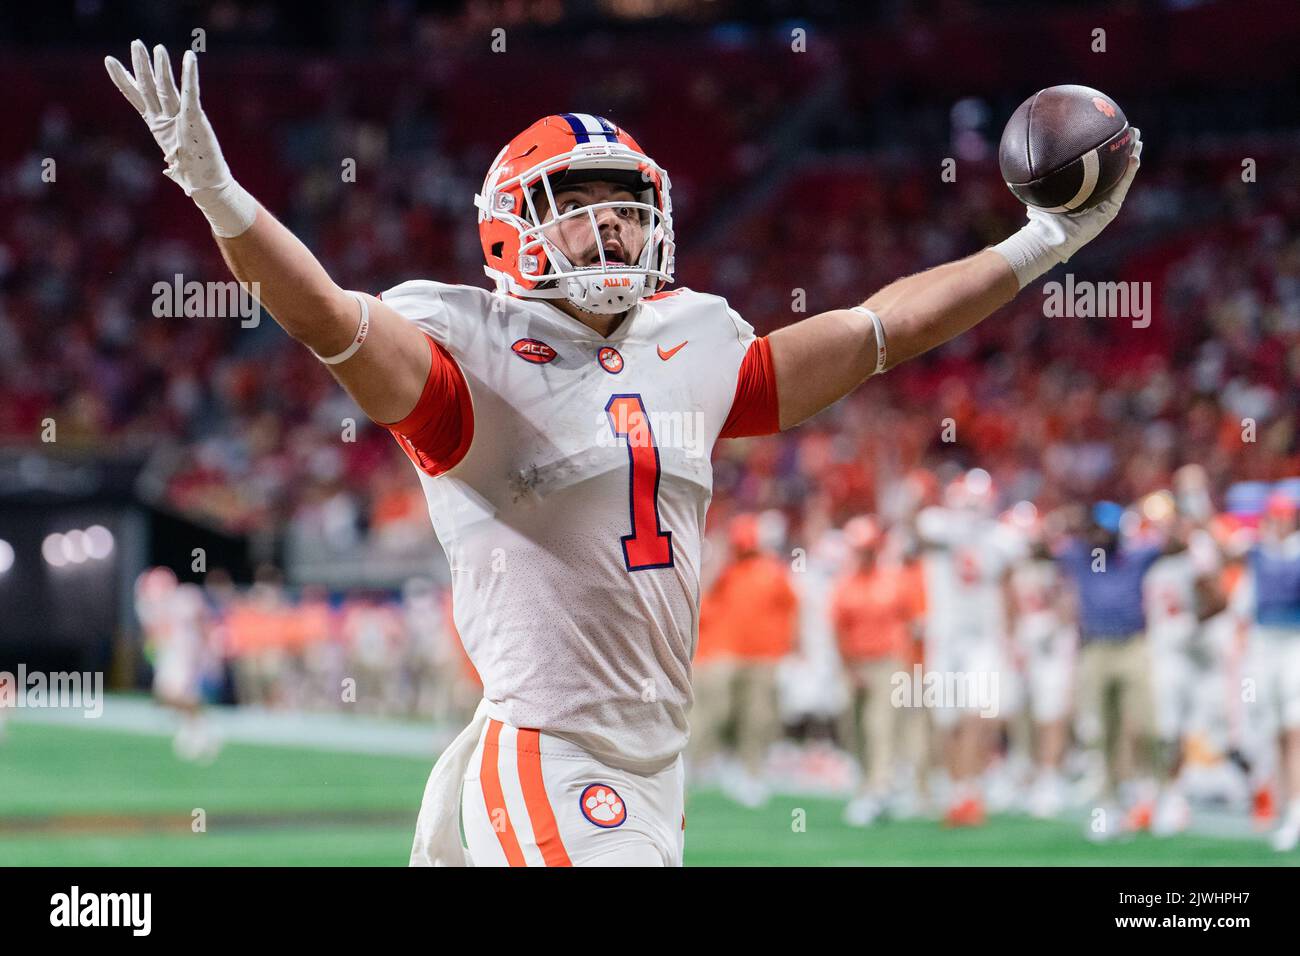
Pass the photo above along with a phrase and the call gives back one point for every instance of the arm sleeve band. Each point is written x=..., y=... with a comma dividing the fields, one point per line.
x=437, y=433
x=754, y=408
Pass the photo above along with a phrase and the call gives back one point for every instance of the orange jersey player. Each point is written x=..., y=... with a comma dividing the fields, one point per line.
x=876, y=610
x=754, y=596
x=561, y=425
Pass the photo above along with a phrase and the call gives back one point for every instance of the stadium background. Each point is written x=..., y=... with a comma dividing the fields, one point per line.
x=814, y=171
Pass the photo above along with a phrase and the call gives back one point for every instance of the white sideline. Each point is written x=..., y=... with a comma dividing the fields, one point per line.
x=348, y=733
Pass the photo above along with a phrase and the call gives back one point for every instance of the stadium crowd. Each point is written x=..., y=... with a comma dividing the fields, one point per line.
x=245, y=430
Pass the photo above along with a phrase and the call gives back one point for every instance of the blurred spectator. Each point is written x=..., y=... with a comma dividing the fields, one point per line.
x=754, y=596
x=876, y=609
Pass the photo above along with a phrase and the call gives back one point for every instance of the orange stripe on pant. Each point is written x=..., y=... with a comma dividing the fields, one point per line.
x=490, y=780
x=545, y=830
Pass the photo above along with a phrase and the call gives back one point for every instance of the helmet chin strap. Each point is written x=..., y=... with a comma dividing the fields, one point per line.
x=599, y=292
x=594, y=293
x=582, y=308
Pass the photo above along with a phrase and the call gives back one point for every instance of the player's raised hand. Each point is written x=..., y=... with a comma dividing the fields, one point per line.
x=175, y=118
x=1051, y=238
x=183, y=133
x=388, y=376
x=1079, y=228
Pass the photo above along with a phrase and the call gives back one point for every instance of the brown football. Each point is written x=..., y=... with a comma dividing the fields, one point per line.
x=1065, y=148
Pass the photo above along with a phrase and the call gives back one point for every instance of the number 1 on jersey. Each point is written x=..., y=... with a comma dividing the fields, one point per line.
x=648, y=546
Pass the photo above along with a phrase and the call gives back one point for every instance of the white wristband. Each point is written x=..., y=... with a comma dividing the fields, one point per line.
x=362, y=330
x=881, y=351
x=229, y=208
x=1028, y=253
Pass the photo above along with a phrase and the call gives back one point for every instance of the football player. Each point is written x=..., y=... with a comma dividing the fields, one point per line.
x=1176, y=597
x=561, y=425
x=1270, y=595
x=1047, y=645
x=967, y=558
x=175, y=620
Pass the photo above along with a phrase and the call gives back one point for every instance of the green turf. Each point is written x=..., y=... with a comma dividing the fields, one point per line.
x=70, y=796
x=48, y=769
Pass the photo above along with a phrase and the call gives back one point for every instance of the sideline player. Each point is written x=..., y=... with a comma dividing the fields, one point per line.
x=1176, y=598
x=967, y=555
x=877, y=611
x=1114, y=713
x=561, y=426
x=754, y=593
x=175, y=621
x=1270, y=597
x=1046, y=642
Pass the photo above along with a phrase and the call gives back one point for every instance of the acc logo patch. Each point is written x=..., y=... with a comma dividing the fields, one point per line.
x=1103, y=107
x=610, y=360
x=533, y=350
x=601, y=805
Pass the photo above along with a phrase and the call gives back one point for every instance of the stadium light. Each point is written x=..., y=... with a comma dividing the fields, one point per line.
x=78, y=546
x=52, y=550
x=6, y=555
x=99, y=541
x=74, y=547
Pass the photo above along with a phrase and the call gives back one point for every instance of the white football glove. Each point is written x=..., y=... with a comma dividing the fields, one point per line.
x=1051, y=238
x=178, y=123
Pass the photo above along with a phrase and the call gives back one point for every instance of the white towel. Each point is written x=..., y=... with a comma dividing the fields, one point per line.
x=437, y=831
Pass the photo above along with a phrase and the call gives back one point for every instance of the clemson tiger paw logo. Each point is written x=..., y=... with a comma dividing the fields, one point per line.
x=602, y=805
x=610, y=360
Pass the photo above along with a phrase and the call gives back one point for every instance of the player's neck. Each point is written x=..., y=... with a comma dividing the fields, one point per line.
x=602, y=325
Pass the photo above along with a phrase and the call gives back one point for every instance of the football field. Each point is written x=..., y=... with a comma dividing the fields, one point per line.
x=74, y=796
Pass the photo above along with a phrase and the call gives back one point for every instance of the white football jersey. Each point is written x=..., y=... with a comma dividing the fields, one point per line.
x=1035, y=586
x=967, y=558
x=574, y=552
x=811, y=682
x=1169, y=598
x=175, y=626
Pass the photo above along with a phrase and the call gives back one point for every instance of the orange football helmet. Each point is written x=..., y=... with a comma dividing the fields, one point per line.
x=558, y=151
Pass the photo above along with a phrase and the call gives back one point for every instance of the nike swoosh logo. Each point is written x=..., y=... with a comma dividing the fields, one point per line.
x=671, y=352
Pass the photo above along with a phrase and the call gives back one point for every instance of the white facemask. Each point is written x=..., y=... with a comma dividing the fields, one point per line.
x=597, y=290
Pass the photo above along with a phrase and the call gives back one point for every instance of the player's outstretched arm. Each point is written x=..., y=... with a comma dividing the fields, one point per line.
x=387, y=376
x=821, y=359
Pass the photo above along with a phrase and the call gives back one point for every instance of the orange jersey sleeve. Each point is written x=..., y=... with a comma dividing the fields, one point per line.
x=754, y=408
x=436, y=434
